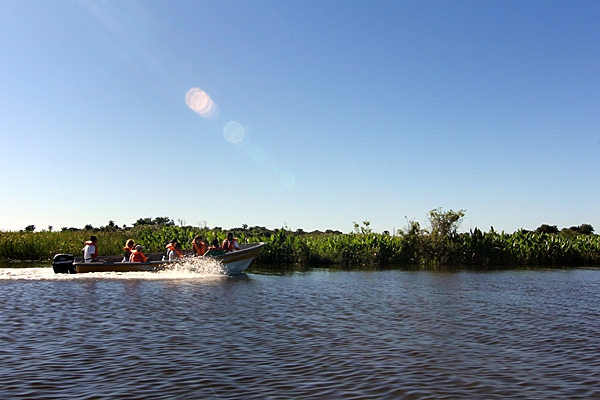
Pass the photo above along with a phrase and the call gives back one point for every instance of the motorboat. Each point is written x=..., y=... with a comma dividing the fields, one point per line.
x=234, y=262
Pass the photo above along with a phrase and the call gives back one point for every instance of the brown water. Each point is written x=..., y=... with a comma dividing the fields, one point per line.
x=322, y=334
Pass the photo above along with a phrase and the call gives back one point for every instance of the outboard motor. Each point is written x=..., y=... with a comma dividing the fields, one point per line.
x=63, y=264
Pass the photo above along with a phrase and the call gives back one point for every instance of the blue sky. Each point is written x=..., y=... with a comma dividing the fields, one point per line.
x=325, y=113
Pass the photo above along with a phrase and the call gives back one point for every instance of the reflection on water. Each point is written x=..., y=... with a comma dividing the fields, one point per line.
x=305, y=334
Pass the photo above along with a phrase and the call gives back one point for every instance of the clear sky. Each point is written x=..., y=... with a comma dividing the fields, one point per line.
x=305, y=114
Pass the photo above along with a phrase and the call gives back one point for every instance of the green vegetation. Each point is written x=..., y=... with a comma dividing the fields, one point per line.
x=439, y=245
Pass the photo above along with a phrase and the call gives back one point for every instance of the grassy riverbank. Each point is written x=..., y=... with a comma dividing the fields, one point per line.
x=362, y=247
x=470, y=249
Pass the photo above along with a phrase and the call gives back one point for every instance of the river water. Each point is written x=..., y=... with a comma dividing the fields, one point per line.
x=318, y=334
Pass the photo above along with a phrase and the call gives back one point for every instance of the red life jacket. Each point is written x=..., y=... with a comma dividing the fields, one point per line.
x=171, y=247
x=90, y=243
x=229, y=245
x=128, y=251
x=137, y=256
x=201, y=249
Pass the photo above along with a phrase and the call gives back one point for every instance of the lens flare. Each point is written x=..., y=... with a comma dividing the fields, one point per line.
x=234, y=132
x=200, y=102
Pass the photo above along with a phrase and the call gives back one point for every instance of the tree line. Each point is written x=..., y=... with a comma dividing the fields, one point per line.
x=438, y=244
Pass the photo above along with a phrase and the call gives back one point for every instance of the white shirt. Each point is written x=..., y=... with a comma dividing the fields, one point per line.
x=88, y=250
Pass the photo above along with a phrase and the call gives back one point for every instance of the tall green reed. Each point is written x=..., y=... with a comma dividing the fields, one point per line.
x=415, y=247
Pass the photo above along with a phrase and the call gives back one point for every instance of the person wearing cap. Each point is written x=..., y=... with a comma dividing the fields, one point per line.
x=137, y=255
x=90, y=250
x=173, y=253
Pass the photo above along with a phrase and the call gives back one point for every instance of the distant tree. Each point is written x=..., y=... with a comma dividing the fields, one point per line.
x=445, y=223
x=30, y=228
x=143, y=221
x=572, y=231
x=111, y=226
x=547, y=229
x=50, y=228
x=586, y=229
x=165, y=221
x=414, y=228
x=365, y=229
x=88, y=227
x=158, y=221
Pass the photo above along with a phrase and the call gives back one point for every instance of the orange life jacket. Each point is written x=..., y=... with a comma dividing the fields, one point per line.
x=229, y=245
x=90, y=243
x=137, y=256
x=171, y=247
x=201, y=249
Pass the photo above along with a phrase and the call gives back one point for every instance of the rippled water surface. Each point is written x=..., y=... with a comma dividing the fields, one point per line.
x=318, y=334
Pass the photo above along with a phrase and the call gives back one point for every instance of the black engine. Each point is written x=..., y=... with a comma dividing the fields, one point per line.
x=63, y=264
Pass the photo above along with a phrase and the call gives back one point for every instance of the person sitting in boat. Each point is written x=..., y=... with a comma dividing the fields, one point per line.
x=215, y=249
x=137, y=255
x=90, y=250
x=173, y=250
x=230, y=244
x=129, y=246
x=198, y=246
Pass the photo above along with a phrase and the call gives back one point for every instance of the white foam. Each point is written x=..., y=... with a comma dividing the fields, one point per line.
x=195, y=266
x=188, y=268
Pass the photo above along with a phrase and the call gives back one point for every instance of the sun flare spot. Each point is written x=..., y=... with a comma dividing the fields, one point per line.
x=234, y=132
x=201, y=102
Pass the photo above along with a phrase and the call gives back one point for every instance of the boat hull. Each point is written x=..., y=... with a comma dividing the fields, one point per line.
x=81, y=268
x=235, y=262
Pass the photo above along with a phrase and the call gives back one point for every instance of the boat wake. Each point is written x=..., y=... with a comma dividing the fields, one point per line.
x=195, y=266
x=188, y=268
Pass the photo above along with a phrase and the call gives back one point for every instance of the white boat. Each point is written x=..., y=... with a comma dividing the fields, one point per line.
x=234, y=262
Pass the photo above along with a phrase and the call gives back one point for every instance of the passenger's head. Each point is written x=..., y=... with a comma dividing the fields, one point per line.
x=215, y=242
x=139, y=247
x=230, y=236
x=197, y=239
x=94, y=239
x=174, y=242
x=129, y=243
